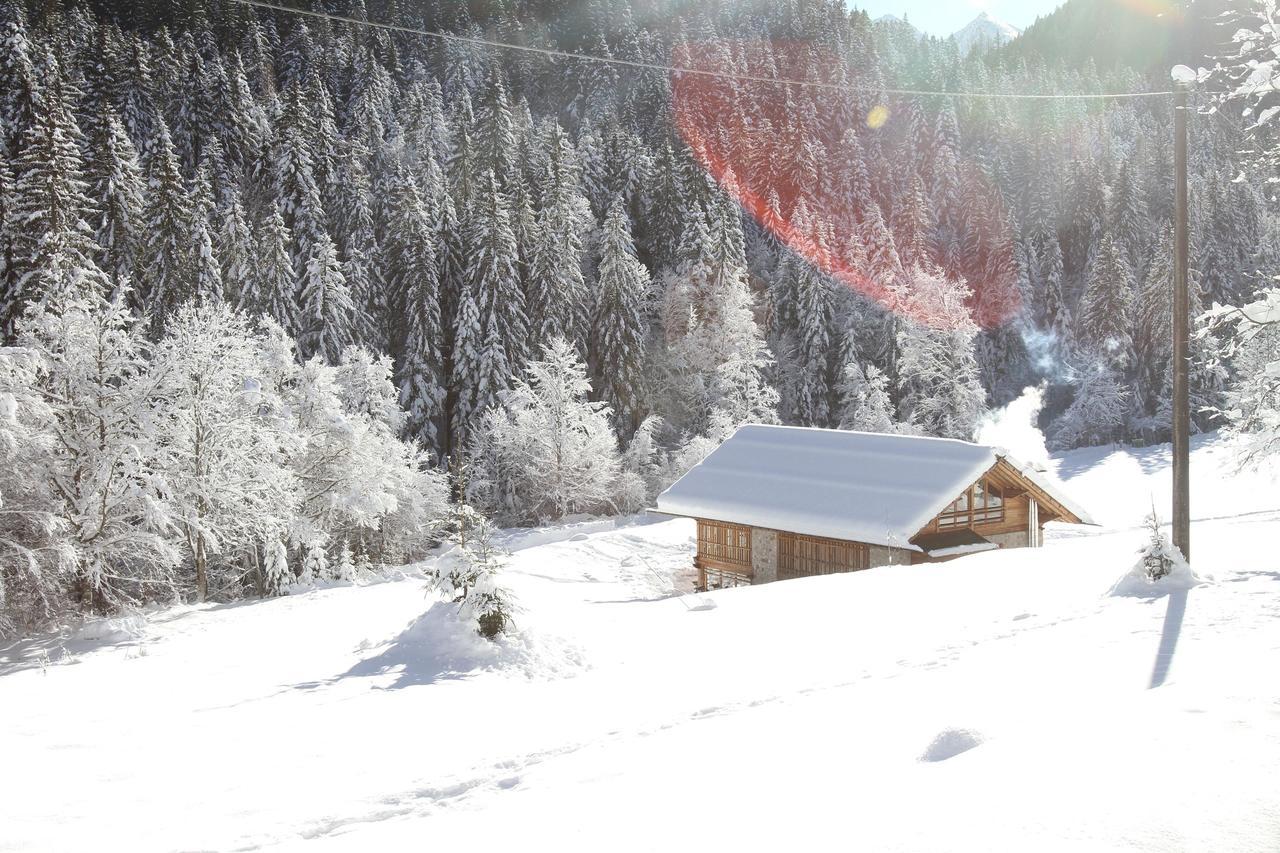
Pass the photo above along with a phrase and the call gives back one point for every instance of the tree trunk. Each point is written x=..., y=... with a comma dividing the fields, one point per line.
x=202, y=569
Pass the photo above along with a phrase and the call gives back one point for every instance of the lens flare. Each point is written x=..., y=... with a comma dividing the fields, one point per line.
x=798, y=165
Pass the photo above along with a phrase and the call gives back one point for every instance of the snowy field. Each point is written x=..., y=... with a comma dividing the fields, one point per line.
x=1003, y=701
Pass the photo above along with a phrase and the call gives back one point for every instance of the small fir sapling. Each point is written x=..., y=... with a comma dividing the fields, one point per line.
x=468, y=578
x=276, y=573
x=345, y=569
x=1158, y=556
x=316, y=565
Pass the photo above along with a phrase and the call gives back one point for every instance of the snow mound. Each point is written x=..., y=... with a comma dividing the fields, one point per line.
x=439, y=645
x=951, y=742
x=1137, y=581
x=118, y=629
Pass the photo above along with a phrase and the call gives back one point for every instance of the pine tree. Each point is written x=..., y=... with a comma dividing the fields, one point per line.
x=116, y=187
x=20, y=94
x=1106, y=313
x=269, y=290
x=54, y=251
x=492, y=269
x=865, y=406
x=234, y=249
x=812, y=382
x=277, y=576
x=619, y=328
x=207, y=285
x=413, y=275
x=168, y=264
x=557, y=293
x=316, y=565
x=468, y=350
x=325, y=311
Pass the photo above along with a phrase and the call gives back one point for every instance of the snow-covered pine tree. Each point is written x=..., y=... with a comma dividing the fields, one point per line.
x=620, y=328
x=1106, y=315
x=865, y=402
x=811, y=384
x=234, y=248
x=344, y=570
x=357, y=241
x=168, y=262
x=413, y=275
x=117, y=188
x=54, y=251
x=269, y=290
x=557, y=296
x=276, y=574
x=208, y=284
x=469, y=577
x=20, y=93
x=325, y=312
x=492, y=268
x=315, y=566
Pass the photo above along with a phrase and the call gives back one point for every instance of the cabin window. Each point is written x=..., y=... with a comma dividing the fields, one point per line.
x=727, y=543
x=982, y=503
x=804, y=556
x=716, y=578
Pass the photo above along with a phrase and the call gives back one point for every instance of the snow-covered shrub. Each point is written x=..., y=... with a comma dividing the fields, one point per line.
x=1252, y=339
x=1097, y=413
x=550, y=451
x=224, y=445
x=644, y=465
x=37, y=555
x=104, y=465
x=938, y=385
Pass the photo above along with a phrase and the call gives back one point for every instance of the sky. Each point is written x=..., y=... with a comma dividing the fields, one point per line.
x=942, y=18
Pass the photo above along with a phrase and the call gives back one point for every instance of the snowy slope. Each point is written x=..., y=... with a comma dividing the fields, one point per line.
x=984, y=30
x=1003, y=701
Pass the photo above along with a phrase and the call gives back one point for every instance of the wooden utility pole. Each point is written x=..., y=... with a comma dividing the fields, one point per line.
x=1181, y=326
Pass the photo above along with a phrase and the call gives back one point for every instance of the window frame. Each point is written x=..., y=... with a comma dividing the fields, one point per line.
x=981, y=504
x=801, y=556
x=724, y=543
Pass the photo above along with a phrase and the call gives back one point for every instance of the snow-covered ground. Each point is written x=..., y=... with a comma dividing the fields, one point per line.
x=1003, y=701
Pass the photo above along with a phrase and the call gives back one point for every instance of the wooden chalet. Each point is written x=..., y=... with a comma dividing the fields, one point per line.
x=774, y=503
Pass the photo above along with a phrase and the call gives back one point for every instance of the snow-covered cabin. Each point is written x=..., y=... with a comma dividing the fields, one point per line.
x=777, y=502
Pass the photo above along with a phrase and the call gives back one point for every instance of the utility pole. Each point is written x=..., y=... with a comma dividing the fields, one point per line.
x=1181, y=320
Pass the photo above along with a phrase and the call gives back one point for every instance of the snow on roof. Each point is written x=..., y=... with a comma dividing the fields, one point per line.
x=1050, y=487
x=860, y=486
x=857, y=486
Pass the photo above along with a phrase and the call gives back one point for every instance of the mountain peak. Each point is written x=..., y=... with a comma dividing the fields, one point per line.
x=986, y=29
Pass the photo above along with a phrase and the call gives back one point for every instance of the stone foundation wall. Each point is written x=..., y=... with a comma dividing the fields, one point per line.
x=764, y=555
x=1016, y=539
x=883, y=555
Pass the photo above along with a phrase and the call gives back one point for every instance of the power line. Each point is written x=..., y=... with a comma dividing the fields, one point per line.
x=673, y=69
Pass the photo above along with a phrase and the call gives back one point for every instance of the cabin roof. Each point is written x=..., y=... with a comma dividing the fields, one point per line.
x=863, y=487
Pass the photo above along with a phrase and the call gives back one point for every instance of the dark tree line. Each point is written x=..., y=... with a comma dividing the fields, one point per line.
x=733, y=252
